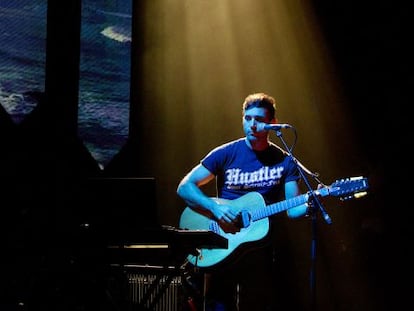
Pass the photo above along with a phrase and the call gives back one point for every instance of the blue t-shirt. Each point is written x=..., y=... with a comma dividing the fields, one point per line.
x=240, y=169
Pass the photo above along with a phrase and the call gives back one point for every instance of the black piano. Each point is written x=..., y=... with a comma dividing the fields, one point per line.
x=156, y=265
x=167, y=246
x=122, y=241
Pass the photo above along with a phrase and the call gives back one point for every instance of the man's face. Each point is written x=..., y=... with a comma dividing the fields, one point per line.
x=251, y=118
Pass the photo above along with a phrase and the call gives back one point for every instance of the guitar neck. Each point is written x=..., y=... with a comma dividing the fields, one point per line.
x=279, y=207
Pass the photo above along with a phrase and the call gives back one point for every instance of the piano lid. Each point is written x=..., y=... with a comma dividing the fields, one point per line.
x=171, y=237
x=166, y=246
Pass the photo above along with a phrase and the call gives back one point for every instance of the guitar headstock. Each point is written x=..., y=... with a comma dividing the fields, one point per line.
x=349, y=188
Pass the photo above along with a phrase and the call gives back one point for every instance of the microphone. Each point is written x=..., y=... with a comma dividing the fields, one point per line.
x=271, y=126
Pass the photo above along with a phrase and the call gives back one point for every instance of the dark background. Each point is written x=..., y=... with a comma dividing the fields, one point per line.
x=45, y=242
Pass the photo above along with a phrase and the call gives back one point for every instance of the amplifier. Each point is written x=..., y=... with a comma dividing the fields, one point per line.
x=155, y=292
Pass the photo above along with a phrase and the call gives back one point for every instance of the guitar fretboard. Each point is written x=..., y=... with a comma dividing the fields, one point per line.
x=279, y=207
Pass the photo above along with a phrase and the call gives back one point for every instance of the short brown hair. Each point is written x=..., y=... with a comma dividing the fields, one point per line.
x=260, y=100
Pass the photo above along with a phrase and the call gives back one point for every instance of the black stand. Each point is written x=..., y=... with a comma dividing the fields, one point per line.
x=314, y=206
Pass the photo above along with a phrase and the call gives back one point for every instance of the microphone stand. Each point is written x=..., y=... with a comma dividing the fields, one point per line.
x=314, y=205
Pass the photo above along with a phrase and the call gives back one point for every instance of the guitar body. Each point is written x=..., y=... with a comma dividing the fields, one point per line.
x=198, y=220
